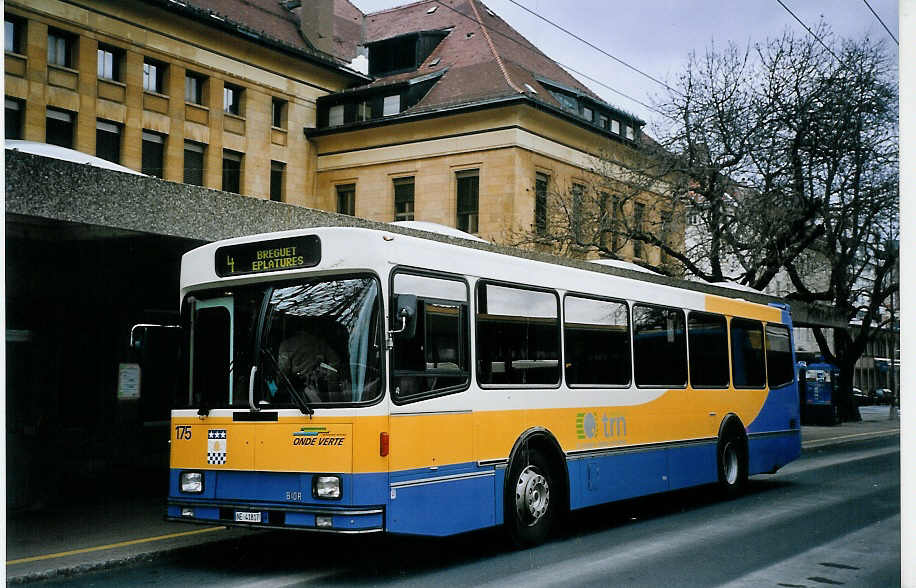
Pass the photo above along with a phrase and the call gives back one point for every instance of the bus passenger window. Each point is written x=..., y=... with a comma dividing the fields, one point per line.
x=518, y=336
x=597, y=334
x=780, y=369
x=436, y=359
x=748, y=369
x=708, y=340
x=659, y=346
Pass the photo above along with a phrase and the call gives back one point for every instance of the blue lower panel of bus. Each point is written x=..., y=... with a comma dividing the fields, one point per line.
x=626, y=474
x=770, y=452
x=445, y=501
x=278, y=499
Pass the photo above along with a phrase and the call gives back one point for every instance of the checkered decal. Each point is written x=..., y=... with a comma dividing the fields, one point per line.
x=216, y=446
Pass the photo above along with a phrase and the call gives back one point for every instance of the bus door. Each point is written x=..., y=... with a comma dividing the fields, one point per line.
x=434, y=486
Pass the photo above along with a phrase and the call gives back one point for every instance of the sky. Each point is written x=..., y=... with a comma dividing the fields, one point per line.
x=656, y=36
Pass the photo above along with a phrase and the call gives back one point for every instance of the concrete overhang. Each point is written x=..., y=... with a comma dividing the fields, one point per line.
x=56, y=190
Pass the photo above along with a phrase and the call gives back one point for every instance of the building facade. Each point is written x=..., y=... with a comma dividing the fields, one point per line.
x=458, y=119
x=171, y=89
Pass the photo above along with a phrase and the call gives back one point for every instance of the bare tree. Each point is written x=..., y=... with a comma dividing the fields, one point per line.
x=783, y=158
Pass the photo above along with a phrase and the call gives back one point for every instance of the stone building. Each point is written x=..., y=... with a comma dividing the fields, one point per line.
x=458, y=119
x=212, y=93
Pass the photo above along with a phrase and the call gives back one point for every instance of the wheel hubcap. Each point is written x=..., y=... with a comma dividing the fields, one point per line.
x=532, y=495
x=730, y=464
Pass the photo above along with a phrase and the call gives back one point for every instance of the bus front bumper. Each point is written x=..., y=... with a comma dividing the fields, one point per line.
x=343, y=520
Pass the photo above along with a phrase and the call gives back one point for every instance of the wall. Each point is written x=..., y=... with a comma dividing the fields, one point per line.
x=141, y=30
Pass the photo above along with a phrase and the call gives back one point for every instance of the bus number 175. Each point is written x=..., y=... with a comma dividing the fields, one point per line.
x=183, y=432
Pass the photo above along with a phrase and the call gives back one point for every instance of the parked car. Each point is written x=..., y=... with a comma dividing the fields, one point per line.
x=860, y=397
x=883, y=395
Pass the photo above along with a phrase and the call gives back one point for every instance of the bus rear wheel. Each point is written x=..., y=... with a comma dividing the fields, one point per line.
x=530, y=506
x=732, y=463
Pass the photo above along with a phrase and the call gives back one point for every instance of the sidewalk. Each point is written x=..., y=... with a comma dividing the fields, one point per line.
x=77, y=538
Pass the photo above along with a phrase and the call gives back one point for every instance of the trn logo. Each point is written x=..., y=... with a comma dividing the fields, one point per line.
x=587, y=425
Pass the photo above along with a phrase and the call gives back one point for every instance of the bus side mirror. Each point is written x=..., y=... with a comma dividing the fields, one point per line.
x=405, y=316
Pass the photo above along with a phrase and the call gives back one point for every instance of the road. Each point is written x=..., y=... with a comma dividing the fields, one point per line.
x=831, y=518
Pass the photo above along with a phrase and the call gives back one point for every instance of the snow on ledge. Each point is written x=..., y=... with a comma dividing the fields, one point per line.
x=437, y=228
x=55, y=152
x=623, y=265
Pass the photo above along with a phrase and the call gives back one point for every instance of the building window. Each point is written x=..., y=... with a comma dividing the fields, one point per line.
x=15, y=115
x=587, y=113
x=346, y=199
x=232, y=171
x=666, y=234
x=578, y=196
x=603, y=121
x=391, y=105
x=276, y=180
x=567, y=102
x=59, y=127
x=232, y=99
x=152, y=154
x=540, y=203
x=60, y=48
x=278, y=113
x=194, y=88
x=363, y=111
x=403, y=199
x=468, y=189
x=154, y=76
x=108, y=140
x=111, y=60
x=639, y=213
x=13, y=35
x=194, y=163
x=630, y=134
x=336, y=115
x=615, y=127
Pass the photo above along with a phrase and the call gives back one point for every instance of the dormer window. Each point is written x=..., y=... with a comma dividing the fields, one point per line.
x=403, y=53
x=391, y=105
x=567, y=102
x=336, y=115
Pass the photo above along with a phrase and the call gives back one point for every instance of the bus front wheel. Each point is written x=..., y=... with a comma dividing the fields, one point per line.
x=531, y=499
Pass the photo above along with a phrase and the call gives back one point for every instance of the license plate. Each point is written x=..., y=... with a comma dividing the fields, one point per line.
x=247, y=517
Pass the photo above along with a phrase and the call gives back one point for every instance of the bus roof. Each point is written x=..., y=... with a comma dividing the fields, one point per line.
x=365, y=249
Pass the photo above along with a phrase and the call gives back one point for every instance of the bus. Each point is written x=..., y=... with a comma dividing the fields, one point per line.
x=354, y=380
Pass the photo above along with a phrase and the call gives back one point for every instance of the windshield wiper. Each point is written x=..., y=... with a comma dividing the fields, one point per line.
x=298, y=399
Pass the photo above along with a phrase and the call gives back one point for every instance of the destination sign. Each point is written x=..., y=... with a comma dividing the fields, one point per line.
x=268, y=256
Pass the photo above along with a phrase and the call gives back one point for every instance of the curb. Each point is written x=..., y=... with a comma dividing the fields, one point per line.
x=841, y=439
x=77, y=569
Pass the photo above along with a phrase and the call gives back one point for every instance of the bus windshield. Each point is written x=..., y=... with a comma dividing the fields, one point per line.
x=317, y=341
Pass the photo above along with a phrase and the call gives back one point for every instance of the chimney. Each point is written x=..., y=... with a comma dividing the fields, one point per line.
x=316, y=22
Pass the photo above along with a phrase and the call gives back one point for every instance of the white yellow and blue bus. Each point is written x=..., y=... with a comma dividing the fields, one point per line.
x=354, y=380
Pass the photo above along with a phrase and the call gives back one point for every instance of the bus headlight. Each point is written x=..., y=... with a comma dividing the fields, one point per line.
x=192, y=482
x=327, y=487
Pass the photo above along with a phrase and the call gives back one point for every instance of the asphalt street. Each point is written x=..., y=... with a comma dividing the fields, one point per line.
x=830, y=518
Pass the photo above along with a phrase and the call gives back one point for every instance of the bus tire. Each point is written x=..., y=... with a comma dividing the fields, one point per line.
x=532, y=499
x=732, y=463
